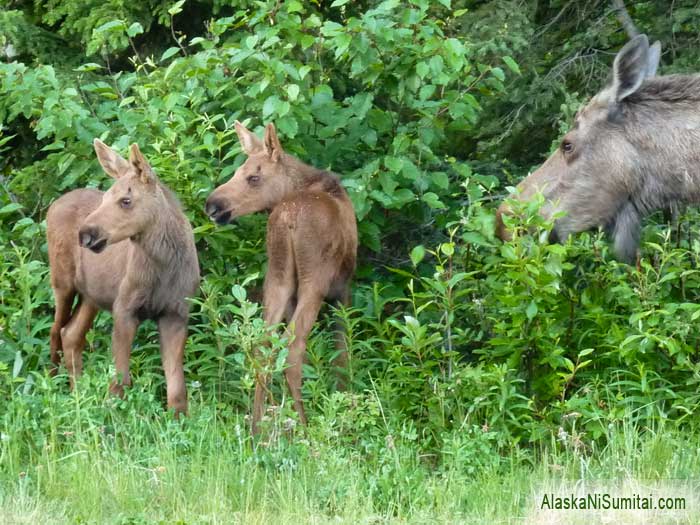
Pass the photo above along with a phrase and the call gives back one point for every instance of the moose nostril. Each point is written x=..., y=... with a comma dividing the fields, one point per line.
x=84, y=239
x=211, y=208
x=87, y=237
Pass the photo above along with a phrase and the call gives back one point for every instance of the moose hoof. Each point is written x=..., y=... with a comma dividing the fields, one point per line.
x=116, y=389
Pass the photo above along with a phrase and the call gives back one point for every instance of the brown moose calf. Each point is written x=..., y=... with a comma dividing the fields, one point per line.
x=129, y=250
x=311, y=244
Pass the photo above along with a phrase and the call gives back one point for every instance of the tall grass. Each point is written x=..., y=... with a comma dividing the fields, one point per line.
x=78, y=458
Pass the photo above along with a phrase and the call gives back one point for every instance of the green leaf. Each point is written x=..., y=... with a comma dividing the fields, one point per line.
x=238, y=293
x=294, y=6
x=292, y=91
x=446, y=3
x=169, y=53
x=394, y=164
x=134, y=29
x=281, y=361
x=512, y=65
x=432, y=200
x=417, y=254
x=422, y=69
x=403, y=196
x=440, y=179
x=531, y=311
x=112, y=25
x=176, y=8
x=90, y=66
x=448, y=248
x=498, y=73
x=339, y=3
x=426, y=92
x=9, y=208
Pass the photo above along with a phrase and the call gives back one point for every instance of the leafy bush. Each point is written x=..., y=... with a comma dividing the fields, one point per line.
x=461, y=347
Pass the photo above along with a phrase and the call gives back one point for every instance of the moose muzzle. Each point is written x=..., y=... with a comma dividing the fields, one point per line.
x=91, y=237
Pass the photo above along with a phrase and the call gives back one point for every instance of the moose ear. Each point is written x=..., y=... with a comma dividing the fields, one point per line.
x=653, y=59
x=140, y=164
x=273, y=148
x=113, y=163
x=630, y=67
x=249, y=141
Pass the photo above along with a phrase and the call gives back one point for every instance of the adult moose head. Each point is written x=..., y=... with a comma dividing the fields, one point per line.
x=311, y=244
x=634, y=148
x=129, y=250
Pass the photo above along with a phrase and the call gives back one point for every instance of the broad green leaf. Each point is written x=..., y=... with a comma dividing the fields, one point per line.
x=432, y=200
x=417, y=254
x=448, y=248
x=294, y=6
x=292, y=91
x=498, y=73
x=134, y=29
x=176, y=8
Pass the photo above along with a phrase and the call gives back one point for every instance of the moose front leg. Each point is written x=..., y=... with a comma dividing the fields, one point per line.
x=125, y=326
x=173, y=335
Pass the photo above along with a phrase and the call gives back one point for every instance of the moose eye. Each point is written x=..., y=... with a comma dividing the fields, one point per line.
x=567, y=147
x=253, y=179
x=125, y=202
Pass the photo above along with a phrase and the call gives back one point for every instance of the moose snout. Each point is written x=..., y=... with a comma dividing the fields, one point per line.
x=217, y=210
x=90, y=237
x=501, y=231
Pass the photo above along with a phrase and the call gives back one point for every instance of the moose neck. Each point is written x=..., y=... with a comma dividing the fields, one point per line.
x=163, y=241
x=668, y=169
x=309, y=178
x=662, y=122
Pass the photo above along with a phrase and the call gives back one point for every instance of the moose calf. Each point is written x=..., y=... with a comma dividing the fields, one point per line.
x=311, y=244
x=129, y=250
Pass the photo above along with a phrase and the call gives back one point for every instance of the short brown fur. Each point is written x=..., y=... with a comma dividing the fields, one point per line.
x=311, y=244
x=129, y=250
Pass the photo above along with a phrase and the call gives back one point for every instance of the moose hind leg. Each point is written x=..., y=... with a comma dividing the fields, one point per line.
x=64, y=304
x=305, y=315
x=73, y=338
x=340, y=361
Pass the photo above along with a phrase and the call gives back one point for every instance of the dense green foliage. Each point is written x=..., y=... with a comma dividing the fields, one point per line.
x=469, y=352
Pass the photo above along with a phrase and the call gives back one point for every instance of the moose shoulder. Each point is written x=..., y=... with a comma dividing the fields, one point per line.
x=129, y=250
x=634, y=148
x=311, y=244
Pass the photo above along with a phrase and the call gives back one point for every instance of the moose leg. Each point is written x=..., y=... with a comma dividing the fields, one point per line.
x=64, y=304
x=73, y=338
x=125, y=326
x=173, y=334
x=278, y=295
x=340, y=362
x=305, y=315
